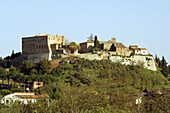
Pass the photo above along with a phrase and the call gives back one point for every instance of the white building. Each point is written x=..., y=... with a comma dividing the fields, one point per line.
x=138, y=51
x=22, y=97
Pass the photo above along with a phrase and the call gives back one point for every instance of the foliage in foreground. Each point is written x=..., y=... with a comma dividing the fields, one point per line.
x=79, y=85
x=94, y=100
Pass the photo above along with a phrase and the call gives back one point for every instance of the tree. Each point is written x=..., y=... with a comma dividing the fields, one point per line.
x=164, y=66
x=96, y=42
x=26, y=67
x=67, y=41
x=157, y=59
x=12, y=53
x=13, y=73
x=73, y=47
x=164, y=63
x=44, y=66
x=20, y=78
x=33, y=72
x=169, y=68
x=8, y=77
x=3, y=74
x=90, y=38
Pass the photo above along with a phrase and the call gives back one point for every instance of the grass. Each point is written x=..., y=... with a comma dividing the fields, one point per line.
x=160, y=86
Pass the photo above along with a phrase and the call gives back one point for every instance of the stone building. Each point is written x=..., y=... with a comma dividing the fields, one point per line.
x=110, y=45
x=138, y=51
x=86, y=47
x=42, y=46
x=114, y=46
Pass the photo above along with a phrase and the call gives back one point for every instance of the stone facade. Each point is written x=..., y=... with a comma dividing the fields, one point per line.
x=42, y=46
x=117, y=47
x=138, y=51
x=111, y=45
x=86, y=47
x=147, y=62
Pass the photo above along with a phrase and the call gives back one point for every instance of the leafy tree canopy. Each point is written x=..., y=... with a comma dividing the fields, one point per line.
x=73, y=47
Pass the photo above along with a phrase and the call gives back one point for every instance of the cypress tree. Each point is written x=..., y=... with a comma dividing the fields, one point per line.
x=164, y=63
x=169, y=69
x=164, y=66
x=96, y=42
x=156, y=58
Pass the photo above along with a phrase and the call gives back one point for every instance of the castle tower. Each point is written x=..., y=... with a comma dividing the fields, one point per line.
x=113, y=39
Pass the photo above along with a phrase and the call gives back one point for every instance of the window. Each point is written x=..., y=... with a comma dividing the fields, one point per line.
x=7, y=101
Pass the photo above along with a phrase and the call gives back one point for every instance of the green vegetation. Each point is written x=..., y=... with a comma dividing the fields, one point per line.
x=79, y=85
x=73, y=47
x=96, y=43
x=90, y=38
x=162, y=64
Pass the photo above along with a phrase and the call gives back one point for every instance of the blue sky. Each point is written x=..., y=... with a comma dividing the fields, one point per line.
x=142, y=22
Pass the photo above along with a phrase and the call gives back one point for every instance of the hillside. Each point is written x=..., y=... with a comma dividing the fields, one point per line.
x=81, y=85
x=94, y=70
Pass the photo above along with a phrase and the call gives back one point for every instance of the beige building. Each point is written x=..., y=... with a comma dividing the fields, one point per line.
x=110, y=45
x=138, y=51
x=42, y=46
x=86, y=47
x=114, y=46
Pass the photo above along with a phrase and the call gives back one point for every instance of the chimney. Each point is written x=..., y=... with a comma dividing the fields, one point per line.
x=113, y=39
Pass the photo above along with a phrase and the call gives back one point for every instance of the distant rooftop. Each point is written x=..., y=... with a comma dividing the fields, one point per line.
x=33, y=96
x=38, y=35
x=45, y=34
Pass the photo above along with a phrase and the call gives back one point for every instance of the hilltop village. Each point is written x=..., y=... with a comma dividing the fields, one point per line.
x=44, y=46
x=51, y=75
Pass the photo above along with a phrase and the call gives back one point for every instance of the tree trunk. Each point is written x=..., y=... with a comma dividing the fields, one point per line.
x=8, y=82
x=19, y=86
x=14, y=84
x=3, y=83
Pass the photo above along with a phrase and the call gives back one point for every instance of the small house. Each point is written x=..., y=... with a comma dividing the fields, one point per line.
x=138, y=51
x=22, y=98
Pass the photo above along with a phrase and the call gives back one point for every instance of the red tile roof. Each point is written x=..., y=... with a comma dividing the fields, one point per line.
x=23, y=92
x=33, y=96
x=134, y=46
x=139, y=48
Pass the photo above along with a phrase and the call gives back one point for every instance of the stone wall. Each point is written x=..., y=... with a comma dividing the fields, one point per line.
x=34, y=45
x=42, y=46
x=86, y=47
x=91, y=56
x=108, y=46
x=147, y=61
x=36, y=58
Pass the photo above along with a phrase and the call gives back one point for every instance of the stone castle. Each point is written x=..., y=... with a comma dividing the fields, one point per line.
x=44, y=46
x=114, y=47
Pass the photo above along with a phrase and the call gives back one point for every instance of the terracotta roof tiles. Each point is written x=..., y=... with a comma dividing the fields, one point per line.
x=33, y=96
